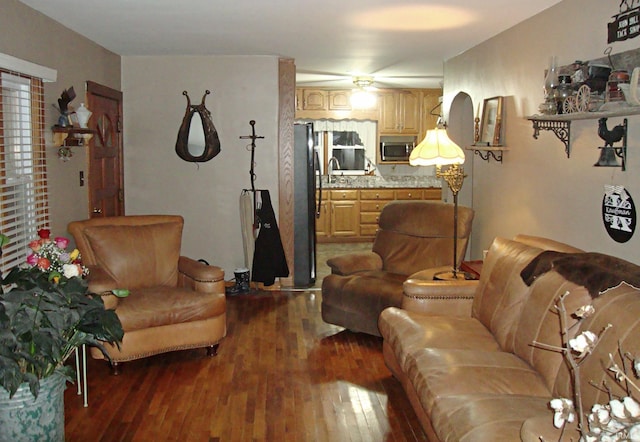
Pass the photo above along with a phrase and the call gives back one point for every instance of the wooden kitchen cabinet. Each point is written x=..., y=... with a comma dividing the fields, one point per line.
x=430, y=110
x=409, y=194
x=345, y=218
x=314, y=99
x=323, y=229
x=352, y=215
x=344, y=210
x=299, y=99
x=340, y=100
x=400, y=112
x=371, y=203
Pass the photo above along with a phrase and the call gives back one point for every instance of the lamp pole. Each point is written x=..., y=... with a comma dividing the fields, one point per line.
x=454, y=176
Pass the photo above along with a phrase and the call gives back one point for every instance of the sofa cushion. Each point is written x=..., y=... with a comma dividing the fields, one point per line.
x=406, y=332
x=158, y=243
x=501, y=291
x=157, y=306
x=437, y=372
x=539, y=322
x=485, y=417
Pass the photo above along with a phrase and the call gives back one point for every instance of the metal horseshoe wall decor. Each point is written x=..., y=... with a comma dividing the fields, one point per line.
x=200, y=142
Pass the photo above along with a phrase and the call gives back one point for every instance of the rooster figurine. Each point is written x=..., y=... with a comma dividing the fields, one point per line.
x=610, y=136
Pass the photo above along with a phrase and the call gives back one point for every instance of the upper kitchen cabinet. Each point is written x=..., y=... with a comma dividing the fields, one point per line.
x=319, y=104
x=314, y=99
x=400, y=112
x=431, y=99
x=340, y=100
x=397, y=111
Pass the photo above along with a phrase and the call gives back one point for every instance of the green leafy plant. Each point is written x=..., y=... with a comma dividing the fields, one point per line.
x=46, y=313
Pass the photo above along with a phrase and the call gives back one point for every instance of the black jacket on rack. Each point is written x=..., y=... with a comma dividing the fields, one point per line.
x=269, y=260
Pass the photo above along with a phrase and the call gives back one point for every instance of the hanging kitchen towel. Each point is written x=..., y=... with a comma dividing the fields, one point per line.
x=269, y=260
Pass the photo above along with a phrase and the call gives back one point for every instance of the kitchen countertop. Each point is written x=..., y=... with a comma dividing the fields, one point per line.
x=375, y=181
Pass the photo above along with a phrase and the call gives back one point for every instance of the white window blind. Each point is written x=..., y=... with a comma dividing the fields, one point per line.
x=23, y=176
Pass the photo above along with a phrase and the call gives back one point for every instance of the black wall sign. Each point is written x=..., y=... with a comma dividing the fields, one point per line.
x=626, y=24
x=618, y=213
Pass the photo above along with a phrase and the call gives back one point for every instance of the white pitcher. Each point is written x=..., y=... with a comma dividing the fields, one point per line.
x=632, y=94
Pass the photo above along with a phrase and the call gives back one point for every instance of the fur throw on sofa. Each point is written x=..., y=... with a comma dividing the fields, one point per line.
x=594, y=271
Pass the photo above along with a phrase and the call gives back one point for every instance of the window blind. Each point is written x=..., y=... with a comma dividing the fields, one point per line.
x=23, y=176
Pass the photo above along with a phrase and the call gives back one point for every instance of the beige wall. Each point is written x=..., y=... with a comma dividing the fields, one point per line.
x=29, y=35
x=537, y=190
x=158, y=181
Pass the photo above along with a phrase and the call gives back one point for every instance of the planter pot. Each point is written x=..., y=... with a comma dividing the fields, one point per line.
x=23, y=418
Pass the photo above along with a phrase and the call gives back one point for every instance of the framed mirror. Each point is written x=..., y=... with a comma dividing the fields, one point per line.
x=197, y=137
x=491, y=124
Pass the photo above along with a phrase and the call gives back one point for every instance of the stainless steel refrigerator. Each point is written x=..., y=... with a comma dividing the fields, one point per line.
x=307, y=173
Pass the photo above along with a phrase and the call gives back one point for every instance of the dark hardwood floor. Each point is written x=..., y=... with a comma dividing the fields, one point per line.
x=281, y=374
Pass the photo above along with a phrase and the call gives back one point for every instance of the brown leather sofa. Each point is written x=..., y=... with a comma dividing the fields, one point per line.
x=472, y=373
x=411, y=236
x=175, y=302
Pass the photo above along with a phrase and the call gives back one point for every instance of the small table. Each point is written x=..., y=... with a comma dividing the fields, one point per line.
x=472, y=267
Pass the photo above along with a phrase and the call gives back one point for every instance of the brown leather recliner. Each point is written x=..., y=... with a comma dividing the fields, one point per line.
x=412, y=236
x=175, y=302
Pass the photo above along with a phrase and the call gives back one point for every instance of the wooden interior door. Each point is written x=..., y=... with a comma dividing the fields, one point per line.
x=106, y=181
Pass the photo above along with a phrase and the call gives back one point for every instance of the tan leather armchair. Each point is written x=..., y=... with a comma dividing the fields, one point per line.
x=412, y=236
x=175, y=302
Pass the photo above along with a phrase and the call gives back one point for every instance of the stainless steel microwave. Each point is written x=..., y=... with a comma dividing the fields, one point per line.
x=399, y=149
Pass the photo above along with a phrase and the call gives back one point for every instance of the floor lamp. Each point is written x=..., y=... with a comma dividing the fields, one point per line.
x=438, y=150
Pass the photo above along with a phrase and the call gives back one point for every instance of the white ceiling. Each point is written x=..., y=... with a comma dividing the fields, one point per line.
x=400, y=43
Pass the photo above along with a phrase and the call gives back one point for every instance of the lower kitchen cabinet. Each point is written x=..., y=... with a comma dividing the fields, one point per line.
x=349, y=215
x=371, y=203
x=344, y=218
x=323, y=226
x=344, y=211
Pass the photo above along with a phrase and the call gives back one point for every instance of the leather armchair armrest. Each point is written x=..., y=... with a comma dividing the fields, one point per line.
x=453, y=298
x=354, y=262
x=101, y=284
x=199, y=276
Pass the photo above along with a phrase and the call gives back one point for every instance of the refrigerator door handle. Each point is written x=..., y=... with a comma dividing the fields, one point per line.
x=316, y=162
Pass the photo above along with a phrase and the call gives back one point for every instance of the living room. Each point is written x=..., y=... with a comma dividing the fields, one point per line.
x=535, y=190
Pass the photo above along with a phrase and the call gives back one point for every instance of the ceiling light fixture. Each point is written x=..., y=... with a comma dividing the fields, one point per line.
x=362, y=97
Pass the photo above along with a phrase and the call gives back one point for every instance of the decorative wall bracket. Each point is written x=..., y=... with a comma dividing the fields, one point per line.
x=561, y=129
x=485, y=153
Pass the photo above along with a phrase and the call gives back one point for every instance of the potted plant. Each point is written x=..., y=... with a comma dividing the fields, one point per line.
x=46, y=313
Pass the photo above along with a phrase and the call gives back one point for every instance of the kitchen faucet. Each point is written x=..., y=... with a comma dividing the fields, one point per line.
x=332, y=161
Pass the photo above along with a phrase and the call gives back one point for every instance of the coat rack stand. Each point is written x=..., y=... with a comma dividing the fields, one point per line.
x=265, y=255
x=253, y=137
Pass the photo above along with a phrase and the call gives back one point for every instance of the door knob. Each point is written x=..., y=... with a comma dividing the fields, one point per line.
x=96, y=210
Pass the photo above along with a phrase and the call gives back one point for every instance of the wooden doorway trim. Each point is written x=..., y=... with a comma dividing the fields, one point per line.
x=286, y=116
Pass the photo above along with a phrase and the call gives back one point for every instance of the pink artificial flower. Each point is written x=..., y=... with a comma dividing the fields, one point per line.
x=61, y=242
x=32, y=259
x=44, y=233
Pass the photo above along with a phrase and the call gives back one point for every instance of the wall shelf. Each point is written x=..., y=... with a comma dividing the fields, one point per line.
x=485, y=152
x=560, y=125
x=79, y=136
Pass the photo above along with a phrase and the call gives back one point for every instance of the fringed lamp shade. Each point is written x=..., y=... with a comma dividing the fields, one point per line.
x=436, y=149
